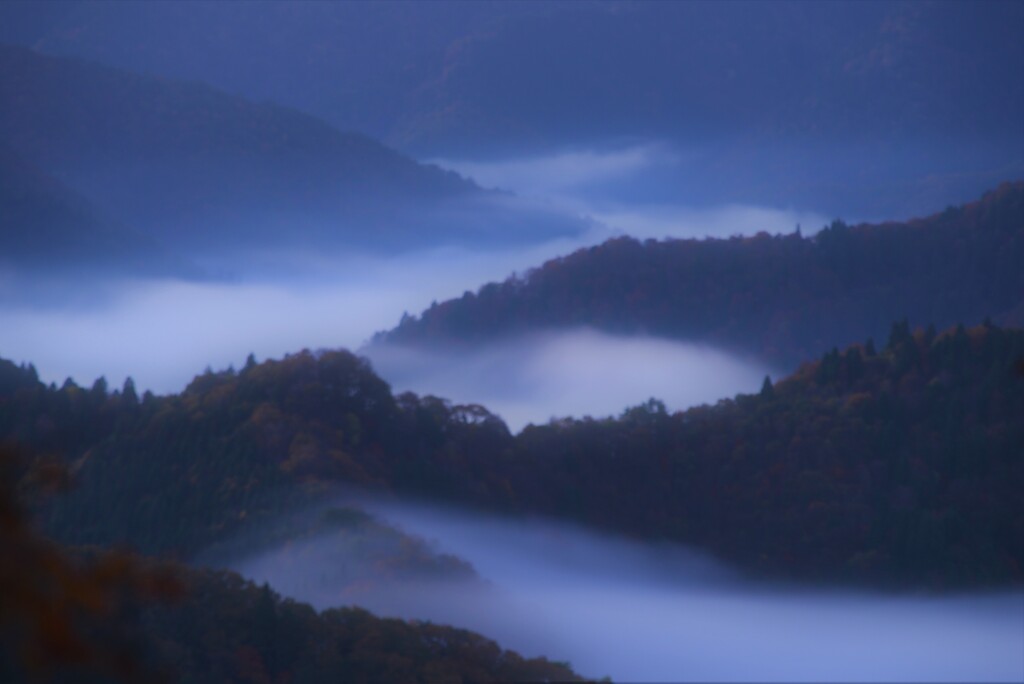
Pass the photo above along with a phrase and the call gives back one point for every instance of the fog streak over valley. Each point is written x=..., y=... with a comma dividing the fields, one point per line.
x=661, y=613
x=632, y=190
x=575, y=373
x=164, y=332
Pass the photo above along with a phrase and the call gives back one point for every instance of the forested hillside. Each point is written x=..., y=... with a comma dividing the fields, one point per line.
x=226, y=629
x=782, y=298
x=47, y=228
x=201, y=168
x=900, y=466
x=88, y=615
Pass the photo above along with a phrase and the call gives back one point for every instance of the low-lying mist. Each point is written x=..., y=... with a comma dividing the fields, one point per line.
x=164, y=332
x=870, y=180
x=646, y=612
x=253, y=299
x=635, y=190
x=533, y=378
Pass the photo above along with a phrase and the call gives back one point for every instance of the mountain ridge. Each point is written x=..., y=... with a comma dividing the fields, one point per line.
x=48, y=229
x=197, y=167
x=893, y=468
x=779, y=297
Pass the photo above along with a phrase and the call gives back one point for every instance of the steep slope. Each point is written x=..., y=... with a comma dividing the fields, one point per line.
x=254, y=631
x=87, y=615
x=779, y=297
x=896, y=468
x=198, y=167
x=47, y=228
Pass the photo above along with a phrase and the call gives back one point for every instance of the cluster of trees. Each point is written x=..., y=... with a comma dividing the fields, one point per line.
x=784, y=298
x=900, y=466
x=893, y=468
x=228, y=630
x=89, y=615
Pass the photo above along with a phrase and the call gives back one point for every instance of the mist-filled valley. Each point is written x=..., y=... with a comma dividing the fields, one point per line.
x=648, y=612
x=511, y=341
x=270, y=302
x=537, y=378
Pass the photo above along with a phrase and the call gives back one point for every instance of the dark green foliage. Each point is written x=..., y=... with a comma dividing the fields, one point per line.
x=784, y=298
x=901, y=468
x=897, y=470
x=228, y=630
x=87, y=616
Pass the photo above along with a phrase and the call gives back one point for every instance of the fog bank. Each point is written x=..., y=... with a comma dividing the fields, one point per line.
x=635, y=190
x=662, y=613
x=533, y=378
x=164, y=332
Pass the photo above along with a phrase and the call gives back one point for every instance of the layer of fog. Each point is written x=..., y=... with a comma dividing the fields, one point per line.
x=564, y=171
x=632, y=189
x=639, y=612
x=164, y=332
x=530, y=379
x=812, y=181
x=627, y=189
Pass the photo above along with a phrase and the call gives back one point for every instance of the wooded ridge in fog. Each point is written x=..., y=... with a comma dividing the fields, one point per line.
x=895, y=467
x=781, y=298
x=186, y=183
x=96, y=616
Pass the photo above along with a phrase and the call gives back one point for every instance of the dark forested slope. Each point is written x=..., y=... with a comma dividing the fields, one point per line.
x=782, y=298
x=185, y=162
x=226, y=629
x=45, y=227
x=901, y=466
x=86, y=615
x=897, y=467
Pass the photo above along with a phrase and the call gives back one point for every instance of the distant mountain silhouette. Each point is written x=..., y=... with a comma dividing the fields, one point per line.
x=442, y=74
x=47, y=228
x=201, y=168
x=868, y=109
x=778, y=297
